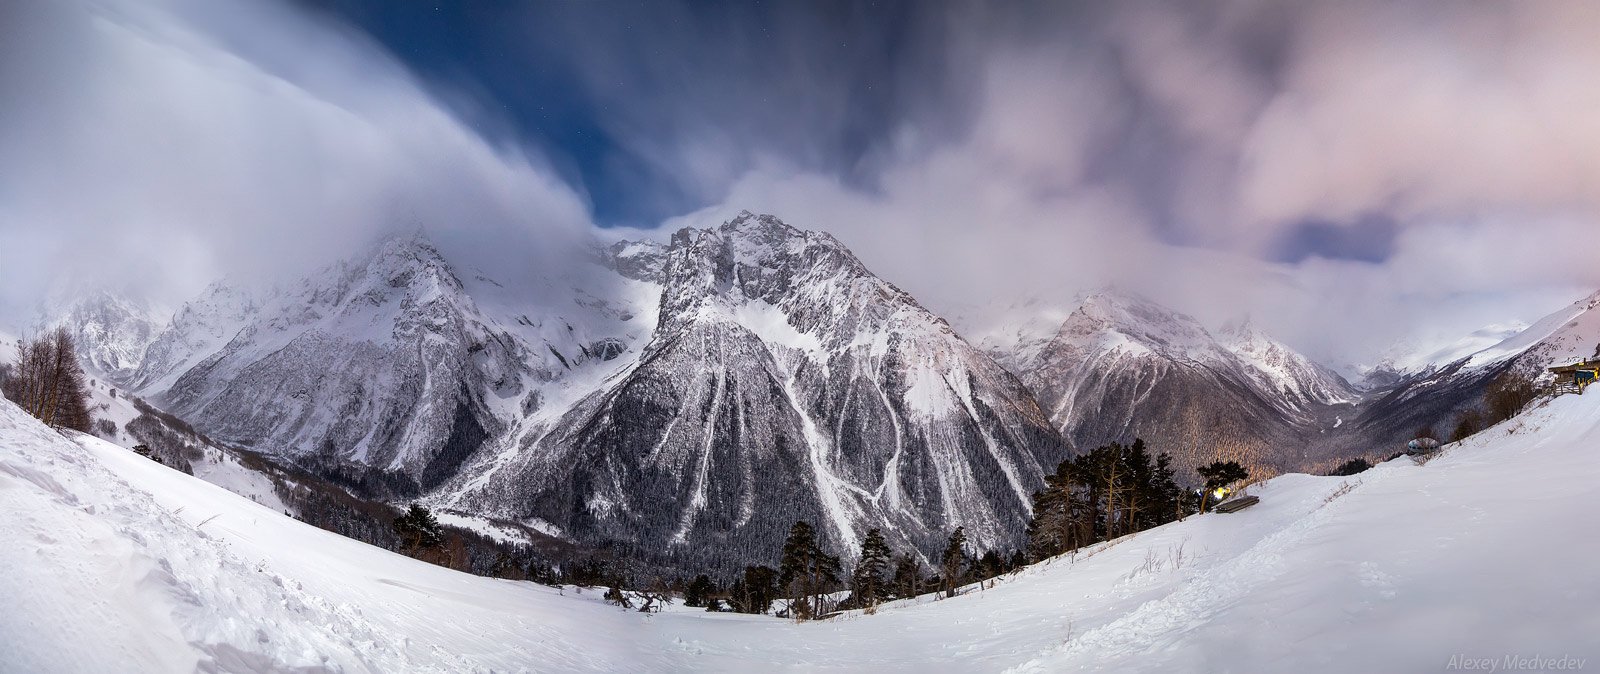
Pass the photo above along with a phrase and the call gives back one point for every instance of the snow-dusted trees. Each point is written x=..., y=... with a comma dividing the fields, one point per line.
x=418, y=530
x=806, y=573
x=47, y=382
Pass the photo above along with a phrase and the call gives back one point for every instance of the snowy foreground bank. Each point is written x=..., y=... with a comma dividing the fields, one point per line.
x=114, y=563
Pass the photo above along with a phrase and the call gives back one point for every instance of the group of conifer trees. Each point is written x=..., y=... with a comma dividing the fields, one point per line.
x=47, y=382
x=1112, y=491
x=808, y=579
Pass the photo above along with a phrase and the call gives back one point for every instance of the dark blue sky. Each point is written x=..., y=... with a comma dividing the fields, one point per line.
x=604, y=89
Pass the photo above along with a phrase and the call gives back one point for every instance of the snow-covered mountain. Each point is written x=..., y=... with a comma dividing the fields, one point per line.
x=388, y=369
x=1122, y=367
x=1566, y=335
x=112, y=331
x=784, y=381
x=1411, y=357
x=706, y=391
x=1277, y=367
x=1437, y=395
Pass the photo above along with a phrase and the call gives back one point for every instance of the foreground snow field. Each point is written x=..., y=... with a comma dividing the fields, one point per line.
x=114, y=563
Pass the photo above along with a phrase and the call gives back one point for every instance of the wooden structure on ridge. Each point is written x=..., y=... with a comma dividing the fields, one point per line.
x=1576, y=377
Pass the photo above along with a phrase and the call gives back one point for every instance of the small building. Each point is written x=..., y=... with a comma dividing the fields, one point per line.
x=1577, y=376
x=1422, y=446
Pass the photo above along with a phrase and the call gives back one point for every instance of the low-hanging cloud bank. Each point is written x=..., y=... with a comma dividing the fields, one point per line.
x=1350, y=173
x=157, y=146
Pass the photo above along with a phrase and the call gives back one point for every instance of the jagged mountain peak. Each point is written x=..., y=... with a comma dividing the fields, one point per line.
x=112, y=330
x=1131, y=318
x=763, y=241
x=758, y=263
x=783, y=381
x=1281, y=369
x=1240, y=329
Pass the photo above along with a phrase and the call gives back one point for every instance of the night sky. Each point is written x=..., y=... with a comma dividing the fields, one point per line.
x=576, y=79
x=1352, y=174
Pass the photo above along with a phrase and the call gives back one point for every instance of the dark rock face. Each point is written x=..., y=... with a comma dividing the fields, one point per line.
x=784, y=381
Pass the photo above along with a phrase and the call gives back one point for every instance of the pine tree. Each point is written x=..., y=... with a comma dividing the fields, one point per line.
x=418, y=530
x=754, y=592
x=806, y=573
x=1218, y=475
x=954, y=561
x=991, y=565
x=1171, y=505
x=907, y=581
x=699, y=591
x=867, y=585
x=1063, y=512
x=1222, y=473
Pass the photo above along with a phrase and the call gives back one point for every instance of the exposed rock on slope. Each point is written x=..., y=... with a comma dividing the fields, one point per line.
x=784, y=382
x=1122, y=367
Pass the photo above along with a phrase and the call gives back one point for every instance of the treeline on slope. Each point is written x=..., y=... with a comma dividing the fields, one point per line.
x=810, y=583
x=334, y=506
x=1116, y=490
x=1109, y=492
x=1112, y=491
x=47, y=382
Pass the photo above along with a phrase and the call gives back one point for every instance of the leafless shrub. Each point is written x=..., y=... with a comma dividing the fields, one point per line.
x=1344, y=488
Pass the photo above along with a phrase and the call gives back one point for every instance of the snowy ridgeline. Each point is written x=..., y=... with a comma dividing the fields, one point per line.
x=116, y=563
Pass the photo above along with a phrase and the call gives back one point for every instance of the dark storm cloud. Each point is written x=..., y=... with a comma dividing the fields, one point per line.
x=657, y=106
x=1345, y=171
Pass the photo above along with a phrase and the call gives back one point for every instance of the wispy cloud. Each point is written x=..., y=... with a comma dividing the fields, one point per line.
x=166, y=144
x=1348, y=172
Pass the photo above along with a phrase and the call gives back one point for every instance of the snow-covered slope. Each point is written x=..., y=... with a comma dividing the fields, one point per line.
x=784, y=381
x=115, y=563
x=1569, y=334
x=1411, y=357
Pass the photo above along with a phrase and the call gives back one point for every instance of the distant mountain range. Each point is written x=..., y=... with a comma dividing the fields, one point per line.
x=691, y=399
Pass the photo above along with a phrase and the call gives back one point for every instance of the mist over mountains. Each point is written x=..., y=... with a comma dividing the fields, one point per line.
x=703, y=393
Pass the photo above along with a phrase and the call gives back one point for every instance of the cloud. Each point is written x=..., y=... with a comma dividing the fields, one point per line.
x=1348, y=173
x=165, y=144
